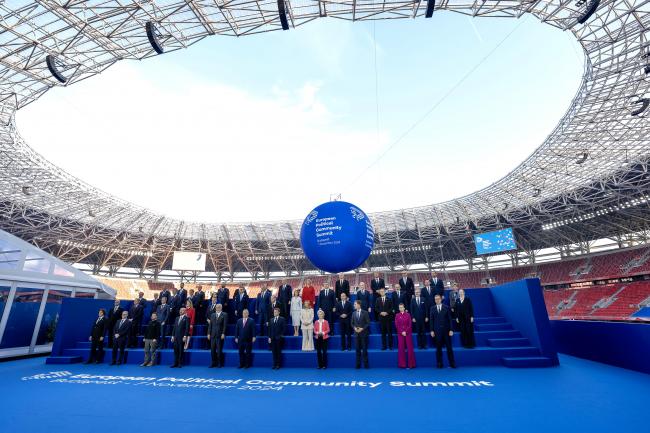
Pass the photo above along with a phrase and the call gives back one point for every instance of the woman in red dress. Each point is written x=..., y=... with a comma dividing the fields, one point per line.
x=308, y=293
x=404, y=339
x=190, y=312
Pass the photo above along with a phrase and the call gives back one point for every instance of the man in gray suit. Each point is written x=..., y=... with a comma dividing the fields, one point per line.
x=217, y=335
x=361, y=325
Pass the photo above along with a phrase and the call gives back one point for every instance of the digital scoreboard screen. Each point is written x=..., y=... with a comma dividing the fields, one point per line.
x=494, y=242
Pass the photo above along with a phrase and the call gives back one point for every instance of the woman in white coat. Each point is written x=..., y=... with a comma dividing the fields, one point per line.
x=296, y=310
x=307, y=325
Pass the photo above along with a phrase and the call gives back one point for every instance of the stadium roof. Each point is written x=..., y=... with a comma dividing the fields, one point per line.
x=587, y=180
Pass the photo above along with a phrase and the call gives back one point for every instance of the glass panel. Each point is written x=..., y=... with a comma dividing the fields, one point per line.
x=51, y=316
x=4, y=295
x=34, y=263
x=22, y=318
x=9, y=256
x=61, y=272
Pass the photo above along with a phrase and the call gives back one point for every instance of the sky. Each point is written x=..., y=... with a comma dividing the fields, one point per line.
x=394, y=114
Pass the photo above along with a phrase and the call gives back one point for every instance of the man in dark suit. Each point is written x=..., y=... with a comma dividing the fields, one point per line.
x=165, y=293
x=364, y=297
x=96, y=338
x=344, y=310
x=262, y=308
x=427, y=291
x=273, y=305
x=217, y=335
x=180, y=334
x=420, y=314
x=136, y=312
x=437, y=285
x=406, y=285
x=440, y=326
x=198, y=301
x=121, y=332
x=223, y=296
x=342, y=286
x=361, y=325
x=114, y=315
x=244, y=338
x=212, y=306
x=285, y=292
x=384, y=312
x=276, y=336
x=375, y=284
x=241, y=302
x=400, y=297
x=327, y=301
x=163, y=313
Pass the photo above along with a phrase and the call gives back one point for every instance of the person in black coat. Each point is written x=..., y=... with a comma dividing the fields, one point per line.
x=136, y=313
x=440, y=325
x=406, y=285
x=121, y=332
x=465, y=319
x=114, y=315
x=361, y=325
x=342, y=286
x=223, y=296
x=364, y=297
x=165, y=293
x=276, y=336
x=399, y=296
x=198, y=301
x=262, y=308
x=285, y=292
x=180, y=334
x=96, y=338
x=327, y=301
x=344, y=310
x=212, y=307
x=151, y=338
x=437, y=285
x=384, y=312
x=241, y=302
x=375, y=284
x=244, y=338
x=275, y=303
x=420, y=315
x=427, y=292
x=217, y=335
x=163, y=313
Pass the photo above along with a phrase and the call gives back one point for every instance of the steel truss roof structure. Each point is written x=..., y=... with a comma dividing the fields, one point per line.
x=587, y=180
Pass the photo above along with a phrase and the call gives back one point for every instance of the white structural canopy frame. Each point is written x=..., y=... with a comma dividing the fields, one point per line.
x=596, y=158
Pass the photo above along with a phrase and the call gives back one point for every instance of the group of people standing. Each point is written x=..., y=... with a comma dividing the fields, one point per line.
x=403, y=307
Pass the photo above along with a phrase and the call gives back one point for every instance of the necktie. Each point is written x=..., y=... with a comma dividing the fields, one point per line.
x=97, y=323
x=121, y=323
x=438, y=308
x=383, y=300
x=418, y=300
x=275, y=320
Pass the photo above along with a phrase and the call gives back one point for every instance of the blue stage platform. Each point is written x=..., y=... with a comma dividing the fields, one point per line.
x=511, y=324
x=577, y=396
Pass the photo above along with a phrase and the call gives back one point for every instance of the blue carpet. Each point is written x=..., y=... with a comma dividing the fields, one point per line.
x=578, y=396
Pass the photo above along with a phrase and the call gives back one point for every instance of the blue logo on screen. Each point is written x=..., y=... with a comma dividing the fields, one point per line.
x=494, y=242
x=337, y=236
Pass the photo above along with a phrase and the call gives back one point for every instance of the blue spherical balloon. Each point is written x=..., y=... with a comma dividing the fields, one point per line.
x=337, y=236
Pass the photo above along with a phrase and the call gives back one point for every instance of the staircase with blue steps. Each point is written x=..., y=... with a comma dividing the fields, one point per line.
x=498, y=343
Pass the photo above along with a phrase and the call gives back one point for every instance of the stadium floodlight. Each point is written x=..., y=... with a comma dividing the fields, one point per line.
x=537, y=192
x=28, y=190
x=582, y=158
x=282, y=13
x=91, y=213
x=50, y=60
x=150, y=28
x=647, y=69
x=431, y=5
x=590, y=9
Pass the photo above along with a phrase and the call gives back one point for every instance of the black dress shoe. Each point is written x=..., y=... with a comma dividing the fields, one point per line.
x=367, y=367
x=119, y=363
x=241, y=366
x=439, y=365
x=88, y=362
x=212, y=366
x=453, y=365
x=173, y=366
x=112, y=363
x=97, y=362
x=357, y=367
